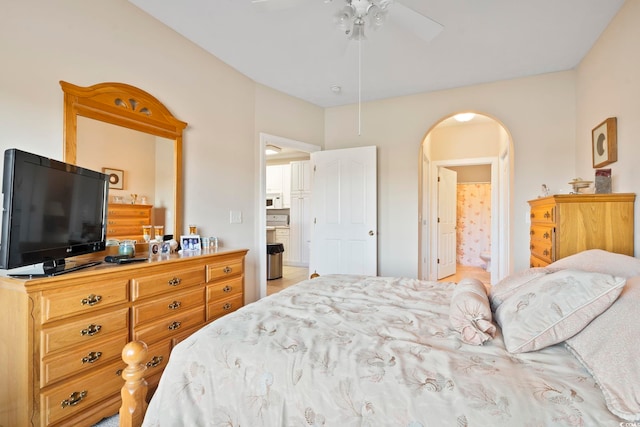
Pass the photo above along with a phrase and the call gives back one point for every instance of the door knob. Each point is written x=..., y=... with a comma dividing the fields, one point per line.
x=371, y=233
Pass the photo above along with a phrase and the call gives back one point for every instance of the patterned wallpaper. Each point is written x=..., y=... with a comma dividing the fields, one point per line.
x=473, y=223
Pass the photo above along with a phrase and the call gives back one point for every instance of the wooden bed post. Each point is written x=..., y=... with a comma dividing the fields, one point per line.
x=134, y=391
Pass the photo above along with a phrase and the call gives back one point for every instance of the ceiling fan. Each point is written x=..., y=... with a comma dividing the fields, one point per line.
x=357, y=15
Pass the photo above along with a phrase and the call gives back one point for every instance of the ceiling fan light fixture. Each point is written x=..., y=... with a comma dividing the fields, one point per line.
x=270, y=150
x=343, y=19
x=357, y=32
x=377, y=16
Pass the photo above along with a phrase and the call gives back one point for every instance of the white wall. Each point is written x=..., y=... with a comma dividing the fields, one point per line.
x=84, y=43
x=539, y=113
x=608, y=85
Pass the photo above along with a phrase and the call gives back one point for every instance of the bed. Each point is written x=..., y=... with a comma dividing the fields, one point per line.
x=344, y=350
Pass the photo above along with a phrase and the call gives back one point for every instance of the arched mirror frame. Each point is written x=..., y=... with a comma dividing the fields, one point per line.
x=127, y=106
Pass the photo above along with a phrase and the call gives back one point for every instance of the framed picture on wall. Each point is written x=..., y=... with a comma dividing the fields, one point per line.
x=604, y=141
x=116, y=178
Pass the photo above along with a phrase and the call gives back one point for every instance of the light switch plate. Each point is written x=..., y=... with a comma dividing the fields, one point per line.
x=235, y=217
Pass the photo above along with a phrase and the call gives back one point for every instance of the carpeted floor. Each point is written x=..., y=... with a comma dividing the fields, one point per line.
x=112, y=421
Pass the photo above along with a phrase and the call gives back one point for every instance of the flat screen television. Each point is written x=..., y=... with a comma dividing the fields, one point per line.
x=51, y=211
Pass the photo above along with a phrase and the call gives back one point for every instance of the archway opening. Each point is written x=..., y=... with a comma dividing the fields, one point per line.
x=481, y=147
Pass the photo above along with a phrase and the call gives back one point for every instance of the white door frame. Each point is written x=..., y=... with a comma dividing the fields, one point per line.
x=261, y=211
x=499, y=241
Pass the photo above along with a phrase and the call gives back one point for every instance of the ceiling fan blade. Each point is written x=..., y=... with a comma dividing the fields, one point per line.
x=420, y=25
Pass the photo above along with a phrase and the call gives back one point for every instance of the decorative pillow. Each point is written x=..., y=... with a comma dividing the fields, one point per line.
x=555, y=307
x=608, y=348
x=469, y=312
x=510, y=284
x=600, y=261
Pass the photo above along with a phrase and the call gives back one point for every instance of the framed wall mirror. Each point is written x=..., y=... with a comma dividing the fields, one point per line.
x=122, y=130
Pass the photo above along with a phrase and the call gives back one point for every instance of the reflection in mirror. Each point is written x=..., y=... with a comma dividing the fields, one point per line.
x=146, y=162
x=125, y=129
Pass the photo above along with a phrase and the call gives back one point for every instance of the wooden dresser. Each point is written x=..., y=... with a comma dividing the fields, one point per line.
x=125, y=221
x=563, y=225
x=61, y=337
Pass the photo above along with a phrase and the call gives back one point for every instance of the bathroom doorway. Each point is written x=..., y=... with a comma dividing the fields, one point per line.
x=473, y=222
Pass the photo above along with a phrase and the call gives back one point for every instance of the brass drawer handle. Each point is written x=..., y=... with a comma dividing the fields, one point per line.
x=74, y=398
x=227, y=289
x=175, y=305
x=157, y=360
x=545, y=252
x=91, y=330
x=547, y=215
x=92, y=357
x=227, y=270
x=174, y=282
x=91, y=300
x=531, y=233
x=227, y=306
x=546, y=235
x=175, y=325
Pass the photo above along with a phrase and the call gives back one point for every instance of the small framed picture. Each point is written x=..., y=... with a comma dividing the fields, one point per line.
x=116, y=178
x=604, y=141
x=165, y=248
x=190, y=242
x=154, y=248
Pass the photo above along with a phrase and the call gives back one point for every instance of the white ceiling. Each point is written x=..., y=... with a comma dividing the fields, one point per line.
x=293, y=45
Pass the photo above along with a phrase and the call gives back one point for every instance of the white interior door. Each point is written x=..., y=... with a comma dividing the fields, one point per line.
x=344, y=212
x=447, y=183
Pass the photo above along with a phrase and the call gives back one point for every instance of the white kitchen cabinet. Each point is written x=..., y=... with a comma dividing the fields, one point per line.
x=301, y=176
x=286, y=186
x=278, y=180
x=300, y=229
x=274, y=179
x=283, y=236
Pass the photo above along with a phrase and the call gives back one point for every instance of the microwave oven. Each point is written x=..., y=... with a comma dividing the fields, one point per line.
x=274, y=201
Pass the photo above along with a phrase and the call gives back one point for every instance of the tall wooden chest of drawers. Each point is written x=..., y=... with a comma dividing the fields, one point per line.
x=125, y=221
x=563, y=225
x=61, y=337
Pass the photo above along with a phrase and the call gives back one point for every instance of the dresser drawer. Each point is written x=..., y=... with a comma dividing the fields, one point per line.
x=117, y=211
x=232, y=267
x=157, y=358
x=83, y=331
x=146, y=286
x=543, y=233
x=543, y=214
x=169, y=326
x=224, y=289
x=67, y=302
x=82, y=393
x=537, y=262
x=122, y=230
x=542, y=250
x=173, y=304
x=219, y=308
x=82, y=359
x=128, y=222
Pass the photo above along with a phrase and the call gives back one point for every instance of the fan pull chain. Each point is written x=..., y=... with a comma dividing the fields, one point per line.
x=359, y=86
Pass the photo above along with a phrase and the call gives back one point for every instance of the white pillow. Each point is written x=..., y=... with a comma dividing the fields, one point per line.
x=554, y=307
x=510, y=284
x=600, y=261
x=608, y=348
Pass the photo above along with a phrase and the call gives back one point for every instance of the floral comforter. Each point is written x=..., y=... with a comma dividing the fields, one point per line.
x=365, y=351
